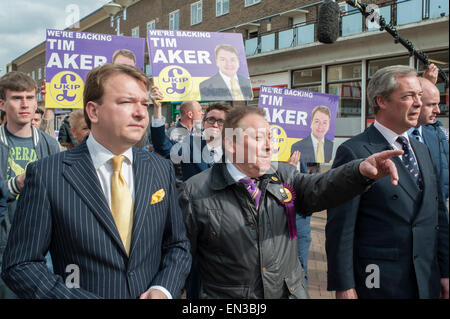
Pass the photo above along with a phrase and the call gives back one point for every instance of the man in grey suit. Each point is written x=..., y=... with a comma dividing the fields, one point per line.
x=390, y=242
x=106, y=211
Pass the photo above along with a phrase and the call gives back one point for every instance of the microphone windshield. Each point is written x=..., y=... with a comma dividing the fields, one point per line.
x=328, y=22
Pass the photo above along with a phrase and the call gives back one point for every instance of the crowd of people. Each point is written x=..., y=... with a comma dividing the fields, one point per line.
x=204, y=209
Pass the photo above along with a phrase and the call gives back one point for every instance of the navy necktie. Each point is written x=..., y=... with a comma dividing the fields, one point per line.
x=416, y=134
x=409, y=161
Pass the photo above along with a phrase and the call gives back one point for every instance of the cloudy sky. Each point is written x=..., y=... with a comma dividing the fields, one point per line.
x=23, y=22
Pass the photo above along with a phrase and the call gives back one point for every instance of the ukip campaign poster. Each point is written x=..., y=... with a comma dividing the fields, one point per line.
x=201, y=66
x=300, y=120
x=71, y=55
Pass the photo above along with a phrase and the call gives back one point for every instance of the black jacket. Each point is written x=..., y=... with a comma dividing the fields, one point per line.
x=65, y=135
x=243, y=254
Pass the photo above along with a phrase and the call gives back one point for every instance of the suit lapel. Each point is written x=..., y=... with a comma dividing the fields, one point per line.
x=377, y=143
x=80, y=173
x=143, y=178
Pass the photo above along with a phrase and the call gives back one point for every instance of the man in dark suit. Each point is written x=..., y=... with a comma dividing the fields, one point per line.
x=428, y=131
x=390, y=242
x=316, y=148
x=226, y=85
x=106, y=211
x=193, y=153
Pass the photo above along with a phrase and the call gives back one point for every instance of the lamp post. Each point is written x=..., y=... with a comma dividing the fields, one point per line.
x=117, y=9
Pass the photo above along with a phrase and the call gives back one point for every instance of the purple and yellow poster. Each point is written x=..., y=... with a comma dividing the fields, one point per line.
x=201, y=66
x=71, y=55
x=300, y=120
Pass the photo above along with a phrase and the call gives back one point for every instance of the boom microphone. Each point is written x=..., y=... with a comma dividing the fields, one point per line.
x=328, y=22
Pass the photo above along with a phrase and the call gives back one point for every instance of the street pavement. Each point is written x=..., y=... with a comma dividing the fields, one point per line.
x=317, y=262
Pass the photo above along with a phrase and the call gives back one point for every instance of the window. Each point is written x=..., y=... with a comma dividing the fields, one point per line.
x=174, y=20
x=249, y=3
x=33, y=75
x=196, y=13
x=151, y=25
x=308, y=78
x=222, y=7
x=39, y=73
x=135, y=32
x=439, y=58
x=344, y=80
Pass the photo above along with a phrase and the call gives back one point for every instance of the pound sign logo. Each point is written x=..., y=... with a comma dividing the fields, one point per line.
x=175, y=81
x=66, y=90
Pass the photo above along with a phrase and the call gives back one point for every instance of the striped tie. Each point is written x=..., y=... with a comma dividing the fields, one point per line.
x=254, y=191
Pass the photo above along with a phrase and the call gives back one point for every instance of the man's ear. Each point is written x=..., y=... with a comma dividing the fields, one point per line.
x=92, y=111
x=2, y=105
x=381, y=102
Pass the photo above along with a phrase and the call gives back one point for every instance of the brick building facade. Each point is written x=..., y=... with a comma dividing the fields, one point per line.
x=280, y=38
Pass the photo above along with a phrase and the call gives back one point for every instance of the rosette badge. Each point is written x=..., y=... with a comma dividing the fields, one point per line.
x=288, y=195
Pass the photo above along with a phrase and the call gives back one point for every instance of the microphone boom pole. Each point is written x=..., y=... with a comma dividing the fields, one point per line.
x=397, y=39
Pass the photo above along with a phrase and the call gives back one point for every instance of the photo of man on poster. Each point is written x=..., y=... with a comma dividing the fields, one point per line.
x=316, y=148
x=226, y=84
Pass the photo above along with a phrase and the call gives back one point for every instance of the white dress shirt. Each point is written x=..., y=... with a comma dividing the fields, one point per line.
x=234, y=172
x=227, y=81
x=101, y=158
x=391, y=137
x=218, y=152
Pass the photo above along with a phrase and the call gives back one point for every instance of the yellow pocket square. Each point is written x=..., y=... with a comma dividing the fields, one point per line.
x=158, y=196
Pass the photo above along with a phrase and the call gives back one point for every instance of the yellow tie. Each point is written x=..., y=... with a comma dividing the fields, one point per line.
x=237, y=95
x=319, y=155
x=121, y=203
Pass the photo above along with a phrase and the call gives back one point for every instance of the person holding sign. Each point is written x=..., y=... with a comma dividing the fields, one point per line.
x=226, y=85
x=106, y=211
x=240, y=214
x=316, y=148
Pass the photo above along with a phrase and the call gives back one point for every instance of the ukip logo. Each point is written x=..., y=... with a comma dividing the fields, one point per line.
x=66, y=90
x=279, y=141
x=175, y=82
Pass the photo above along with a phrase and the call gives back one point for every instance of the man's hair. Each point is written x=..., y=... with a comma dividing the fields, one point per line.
x=238, y=113
x=384, y=82
x=185, y=107
x=321, y=108
x=124, y=52
x=96, y=78
x=39, y=110
x=226, y=47
x=16, y=81
x=75, y=117
x=220, y=106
